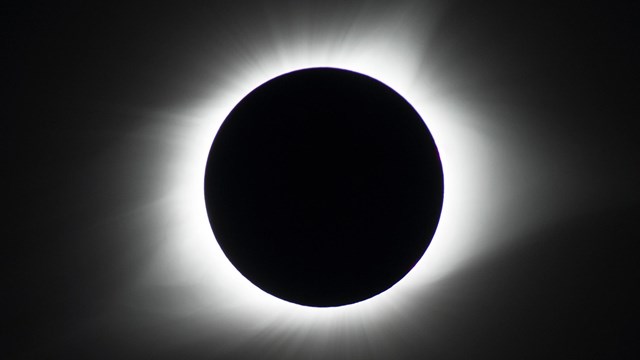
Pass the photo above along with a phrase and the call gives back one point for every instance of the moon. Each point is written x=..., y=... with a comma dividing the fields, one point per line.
x=324, y=187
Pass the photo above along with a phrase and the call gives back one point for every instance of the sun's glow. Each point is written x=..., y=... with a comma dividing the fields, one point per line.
x=387, y=50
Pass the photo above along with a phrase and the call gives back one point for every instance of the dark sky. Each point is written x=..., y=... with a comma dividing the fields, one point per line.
x=97, y=114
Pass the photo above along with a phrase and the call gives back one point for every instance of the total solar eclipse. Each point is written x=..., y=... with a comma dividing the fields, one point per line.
x=323, y=187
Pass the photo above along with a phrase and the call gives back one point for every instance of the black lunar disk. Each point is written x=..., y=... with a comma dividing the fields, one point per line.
x=324, y=187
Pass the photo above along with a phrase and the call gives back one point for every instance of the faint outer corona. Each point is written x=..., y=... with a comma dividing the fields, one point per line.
x=324, y=187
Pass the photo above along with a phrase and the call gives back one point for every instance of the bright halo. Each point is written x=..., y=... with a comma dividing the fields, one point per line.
x=387, y=50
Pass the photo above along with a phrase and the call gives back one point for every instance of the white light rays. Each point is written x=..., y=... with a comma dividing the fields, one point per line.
x=386, y=46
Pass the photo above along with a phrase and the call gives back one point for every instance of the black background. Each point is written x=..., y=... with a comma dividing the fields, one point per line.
x=75, y=149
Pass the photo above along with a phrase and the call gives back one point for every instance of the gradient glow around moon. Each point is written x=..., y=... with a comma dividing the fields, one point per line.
x=482, y=171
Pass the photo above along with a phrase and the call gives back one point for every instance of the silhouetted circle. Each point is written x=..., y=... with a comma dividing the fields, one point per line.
x=323, y=187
